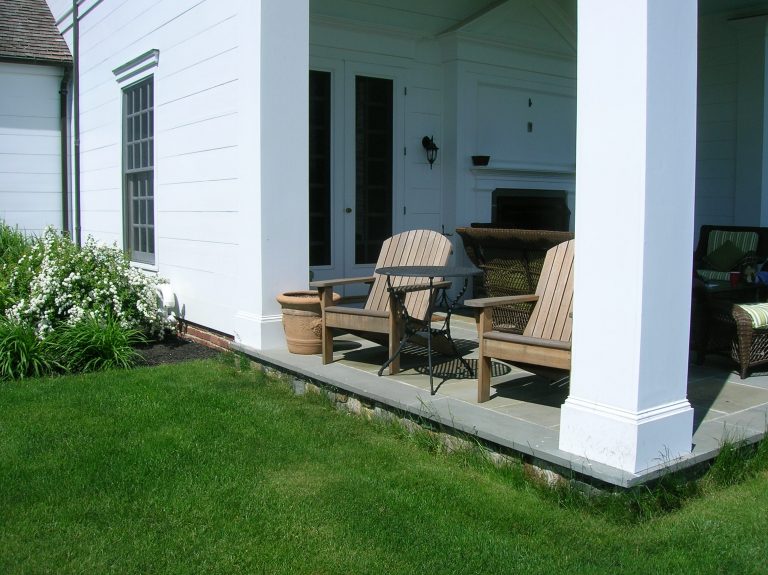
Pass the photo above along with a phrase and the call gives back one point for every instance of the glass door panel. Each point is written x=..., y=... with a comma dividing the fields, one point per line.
x=319, y=168
x=373, y=166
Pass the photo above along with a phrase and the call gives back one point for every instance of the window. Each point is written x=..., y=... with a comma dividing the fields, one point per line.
x=138, y=171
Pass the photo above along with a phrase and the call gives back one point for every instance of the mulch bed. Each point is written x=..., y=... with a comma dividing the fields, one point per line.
x=173, y=349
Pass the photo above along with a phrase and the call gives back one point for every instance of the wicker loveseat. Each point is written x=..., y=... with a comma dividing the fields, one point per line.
x=511, y=260
x=714, y=324
x=722, y=249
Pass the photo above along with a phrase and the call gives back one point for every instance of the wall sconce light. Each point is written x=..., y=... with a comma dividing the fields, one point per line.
x=431, y=148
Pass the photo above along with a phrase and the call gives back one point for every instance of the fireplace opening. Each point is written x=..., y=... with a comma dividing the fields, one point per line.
x=529, y=209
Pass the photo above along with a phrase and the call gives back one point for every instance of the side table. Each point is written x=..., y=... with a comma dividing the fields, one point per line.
x=413, y=327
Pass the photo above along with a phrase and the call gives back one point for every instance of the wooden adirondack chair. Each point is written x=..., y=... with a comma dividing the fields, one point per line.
x=380, y=320
x=546, y=339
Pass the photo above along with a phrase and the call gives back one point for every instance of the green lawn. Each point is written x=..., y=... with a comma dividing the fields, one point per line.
x=200, y=468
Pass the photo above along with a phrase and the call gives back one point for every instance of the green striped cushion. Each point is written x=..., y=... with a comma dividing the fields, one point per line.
x=758, y=312
x=714, y=275
x=745, y=241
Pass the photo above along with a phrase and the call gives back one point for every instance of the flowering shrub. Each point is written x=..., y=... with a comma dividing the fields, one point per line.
x=56, y=283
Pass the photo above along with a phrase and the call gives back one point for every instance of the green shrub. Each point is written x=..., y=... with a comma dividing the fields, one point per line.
x=95, y=344
x=22, y=353
x=13, y=246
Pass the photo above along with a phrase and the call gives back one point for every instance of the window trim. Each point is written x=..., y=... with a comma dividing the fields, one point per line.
x=128, y=76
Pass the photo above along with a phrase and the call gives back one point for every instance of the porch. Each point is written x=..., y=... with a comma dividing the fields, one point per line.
x=523, y=414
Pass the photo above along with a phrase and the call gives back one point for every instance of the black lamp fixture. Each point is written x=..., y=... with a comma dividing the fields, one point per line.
x=431, y=148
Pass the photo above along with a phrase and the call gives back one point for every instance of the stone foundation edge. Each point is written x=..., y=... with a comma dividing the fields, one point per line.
x=451, y=439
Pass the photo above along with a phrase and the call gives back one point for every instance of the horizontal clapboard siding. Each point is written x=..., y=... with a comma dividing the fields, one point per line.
x=716, y=129
x=195, y=134
x=30, y=147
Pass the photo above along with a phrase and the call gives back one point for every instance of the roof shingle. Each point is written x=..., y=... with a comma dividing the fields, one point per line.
x=28, y=33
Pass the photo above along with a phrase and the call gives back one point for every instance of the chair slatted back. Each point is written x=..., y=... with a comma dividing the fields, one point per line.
x=412, y=248
x=552, y=316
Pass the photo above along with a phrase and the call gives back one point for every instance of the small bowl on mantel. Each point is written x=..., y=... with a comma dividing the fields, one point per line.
x=480, y=160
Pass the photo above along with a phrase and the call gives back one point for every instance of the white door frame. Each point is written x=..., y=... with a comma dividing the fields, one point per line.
x=352, y=70
x=343, y=180
x=336, y=68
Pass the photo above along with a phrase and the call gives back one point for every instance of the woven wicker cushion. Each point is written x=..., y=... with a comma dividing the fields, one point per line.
x=758, y=312
x=725, y=257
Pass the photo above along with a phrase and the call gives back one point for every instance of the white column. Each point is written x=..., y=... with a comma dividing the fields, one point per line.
x=751, y=195
x=273, y=165
x=635, y=168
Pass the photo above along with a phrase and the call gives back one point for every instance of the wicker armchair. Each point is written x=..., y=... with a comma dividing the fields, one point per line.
x=733, y=332
x=511, y=260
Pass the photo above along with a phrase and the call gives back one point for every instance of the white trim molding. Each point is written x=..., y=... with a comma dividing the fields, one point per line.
x=138, y=67
x=259, y=331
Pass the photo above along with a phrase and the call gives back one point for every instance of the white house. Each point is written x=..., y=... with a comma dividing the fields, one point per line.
x=35, y=75
x=233, y=146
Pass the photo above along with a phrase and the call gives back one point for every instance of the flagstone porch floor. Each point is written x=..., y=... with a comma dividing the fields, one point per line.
x=523, y=413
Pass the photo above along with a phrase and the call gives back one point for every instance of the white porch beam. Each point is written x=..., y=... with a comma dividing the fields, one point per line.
x=635, y=171
x=273, y=167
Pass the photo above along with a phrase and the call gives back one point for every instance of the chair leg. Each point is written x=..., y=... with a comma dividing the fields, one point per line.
x=326, y=333
x=483, y=379
x=744, y=339
x=394, y=344
x=745, y=351
x=327, y=339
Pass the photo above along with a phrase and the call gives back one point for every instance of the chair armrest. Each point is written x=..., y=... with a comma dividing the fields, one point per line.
x=341, y=282
x=497, y=301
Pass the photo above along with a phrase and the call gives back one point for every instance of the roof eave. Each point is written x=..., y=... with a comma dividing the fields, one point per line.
x=35, y=61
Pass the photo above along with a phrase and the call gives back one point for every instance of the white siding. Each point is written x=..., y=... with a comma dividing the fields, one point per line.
x=716, y=137
x=196, y=116
x=30, y=147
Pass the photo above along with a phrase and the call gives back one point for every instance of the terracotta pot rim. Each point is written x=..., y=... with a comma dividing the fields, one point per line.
x=304, y=297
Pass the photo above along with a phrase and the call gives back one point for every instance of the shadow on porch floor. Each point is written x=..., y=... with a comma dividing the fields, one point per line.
x=523, y=413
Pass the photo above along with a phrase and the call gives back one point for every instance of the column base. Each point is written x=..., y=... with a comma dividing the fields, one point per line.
x=259, y=332
x=631, y=441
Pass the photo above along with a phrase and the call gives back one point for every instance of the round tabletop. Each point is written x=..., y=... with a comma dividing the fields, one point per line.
x=428, y=271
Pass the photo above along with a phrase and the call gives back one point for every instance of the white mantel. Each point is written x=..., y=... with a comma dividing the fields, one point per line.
x=520, y=176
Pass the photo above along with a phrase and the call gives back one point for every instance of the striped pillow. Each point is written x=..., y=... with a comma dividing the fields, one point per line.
x=745, y=241
x=714, y=275
x=758, y=312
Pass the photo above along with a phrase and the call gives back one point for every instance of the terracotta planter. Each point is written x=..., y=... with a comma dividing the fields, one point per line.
x=302, y=321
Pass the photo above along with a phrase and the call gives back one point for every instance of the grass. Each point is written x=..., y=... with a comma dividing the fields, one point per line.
x=205, y=467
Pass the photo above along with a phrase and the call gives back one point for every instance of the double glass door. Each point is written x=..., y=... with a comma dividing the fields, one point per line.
x=351, y=202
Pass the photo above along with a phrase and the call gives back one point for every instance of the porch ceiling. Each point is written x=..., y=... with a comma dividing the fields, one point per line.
x=737, y=8
x=434, y=17
x=429, y=18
